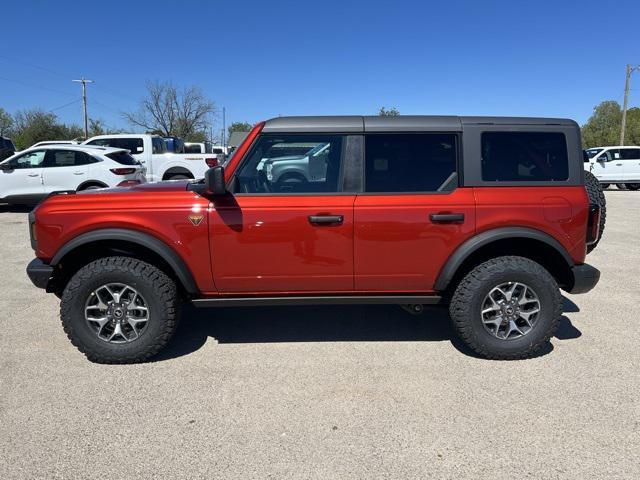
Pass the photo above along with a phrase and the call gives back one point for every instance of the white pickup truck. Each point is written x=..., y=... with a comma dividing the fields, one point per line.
x=151, y=151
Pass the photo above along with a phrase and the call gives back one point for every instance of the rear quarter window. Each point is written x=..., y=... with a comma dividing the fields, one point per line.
x=123, y=158
x=524, y=156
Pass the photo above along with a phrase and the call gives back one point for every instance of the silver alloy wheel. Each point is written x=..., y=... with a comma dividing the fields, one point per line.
x=116, y=313
x=510, y=310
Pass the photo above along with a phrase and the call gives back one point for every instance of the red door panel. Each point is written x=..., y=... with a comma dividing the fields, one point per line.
x=398, y=248
x=268, y=244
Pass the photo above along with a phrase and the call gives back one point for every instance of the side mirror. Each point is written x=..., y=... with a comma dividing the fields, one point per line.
x=4, y=166
x=214, y=181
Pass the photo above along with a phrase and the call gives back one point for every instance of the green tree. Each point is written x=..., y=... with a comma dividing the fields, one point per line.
x=603, y=127
x=238, y=127
x=98, y=127
x=392, y=112
x=31, y=126
x=6, y=121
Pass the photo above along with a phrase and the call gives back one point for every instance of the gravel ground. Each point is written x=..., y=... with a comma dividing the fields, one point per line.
x=331, y=392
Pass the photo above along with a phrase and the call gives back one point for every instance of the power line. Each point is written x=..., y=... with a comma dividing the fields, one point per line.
x=33, y=85
x=65, y=105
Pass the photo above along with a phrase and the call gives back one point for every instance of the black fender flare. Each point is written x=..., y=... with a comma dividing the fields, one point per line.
x=143, y=239
x=480, y=240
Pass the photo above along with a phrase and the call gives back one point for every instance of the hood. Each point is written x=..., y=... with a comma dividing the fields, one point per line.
x=169, y=186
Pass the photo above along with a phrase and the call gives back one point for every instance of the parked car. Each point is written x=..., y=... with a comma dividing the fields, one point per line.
x=402, y=216
x=31, y=175
x=151, y=151
x=617, y=164
x=204, y=147
x=7, y=148
x=310, y=166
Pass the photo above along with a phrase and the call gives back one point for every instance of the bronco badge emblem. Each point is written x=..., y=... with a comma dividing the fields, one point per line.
x=196, y=219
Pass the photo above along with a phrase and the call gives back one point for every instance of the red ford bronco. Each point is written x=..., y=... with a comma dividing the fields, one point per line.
x=488, y=215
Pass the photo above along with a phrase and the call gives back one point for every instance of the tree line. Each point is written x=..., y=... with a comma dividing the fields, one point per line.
x=188, y=113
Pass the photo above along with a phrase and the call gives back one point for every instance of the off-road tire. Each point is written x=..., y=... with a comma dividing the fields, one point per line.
x=157, y=288
x=466, y=306
x=596, y=195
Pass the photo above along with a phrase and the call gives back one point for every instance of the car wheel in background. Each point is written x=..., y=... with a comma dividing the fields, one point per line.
x=605, y=185
x=633, y=186
x=596, y=196
x=621, y=186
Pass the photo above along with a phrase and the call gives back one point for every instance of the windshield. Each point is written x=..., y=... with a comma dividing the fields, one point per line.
x=592, y=152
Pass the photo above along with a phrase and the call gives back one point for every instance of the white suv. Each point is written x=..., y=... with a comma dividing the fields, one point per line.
x=29, y=176
x=620, y=165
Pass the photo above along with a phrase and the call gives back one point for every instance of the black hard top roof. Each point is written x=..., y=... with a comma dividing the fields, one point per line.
x=404, y=123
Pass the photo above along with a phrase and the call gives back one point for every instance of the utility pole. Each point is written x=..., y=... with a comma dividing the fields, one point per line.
x=84, y=82
x=224, y=128
x=627, y=80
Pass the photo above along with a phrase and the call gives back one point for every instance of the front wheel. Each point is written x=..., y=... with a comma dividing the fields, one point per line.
x=506, y=308
x=119, y=310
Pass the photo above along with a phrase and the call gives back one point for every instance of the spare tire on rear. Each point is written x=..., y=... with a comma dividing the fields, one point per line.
x=596, y=195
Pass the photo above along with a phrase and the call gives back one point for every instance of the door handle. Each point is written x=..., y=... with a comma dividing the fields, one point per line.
x=78, y=173
x=325, y=219
x=618, y=164
x=446, y=217
x=33, y=174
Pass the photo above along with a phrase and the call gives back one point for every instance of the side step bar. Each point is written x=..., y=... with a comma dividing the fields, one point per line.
x=329, y=300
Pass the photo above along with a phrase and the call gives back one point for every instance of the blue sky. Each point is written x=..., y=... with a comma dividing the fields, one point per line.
x=269, y=58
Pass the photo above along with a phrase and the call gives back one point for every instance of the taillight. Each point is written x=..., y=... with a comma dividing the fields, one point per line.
x=123, y=171
x=211, y=162
x=593, y=223
x=129, y=183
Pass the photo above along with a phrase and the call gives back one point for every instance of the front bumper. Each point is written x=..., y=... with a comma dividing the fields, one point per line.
x=39, y=273
x=585, y=277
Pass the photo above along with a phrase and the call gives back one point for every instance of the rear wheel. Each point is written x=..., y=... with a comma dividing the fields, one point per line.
x=633, y=186
x=506, y=308
x=119, y=310
x=605, y=185
x=596, y=196
x=621, y=186
x=178, y=177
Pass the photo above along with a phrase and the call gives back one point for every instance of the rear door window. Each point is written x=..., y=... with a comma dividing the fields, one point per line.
x=630, y=153
x=524, y=156
x=67, y=158
x=409, y=162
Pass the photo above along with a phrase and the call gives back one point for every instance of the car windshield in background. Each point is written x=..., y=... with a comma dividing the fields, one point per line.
x=123, y=158
x=592, y=152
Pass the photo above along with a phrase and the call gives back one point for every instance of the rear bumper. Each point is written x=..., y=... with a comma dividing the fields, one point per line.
x=585, y=277
x=39, y=273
